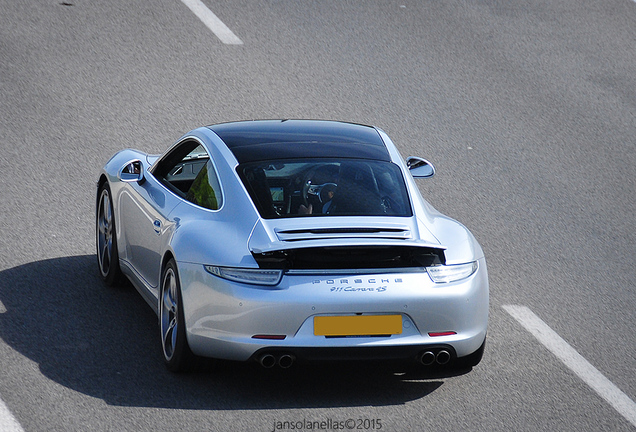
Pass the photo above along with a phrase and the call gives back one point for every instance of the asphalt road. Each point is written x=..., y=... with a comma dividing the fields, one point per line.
x=527, y=109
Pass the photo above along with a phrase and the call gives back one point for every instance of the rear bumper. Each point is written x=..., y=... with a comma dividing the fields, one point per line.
x=223, y=318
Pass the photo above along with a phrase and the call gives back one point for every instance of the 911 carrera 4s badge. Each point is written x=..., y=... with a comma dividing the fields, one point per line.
x=359, y=285
x=358, y=289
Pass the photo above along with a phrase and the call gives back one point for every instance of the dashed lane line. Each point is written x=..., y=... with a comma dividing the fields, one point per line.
x=8, y=423
x=212, y=22
x=574, y=361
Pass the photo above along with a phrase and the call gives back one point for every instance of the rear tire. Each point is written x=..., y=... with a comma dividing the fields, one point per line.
x=176, y=351
x=106, y=238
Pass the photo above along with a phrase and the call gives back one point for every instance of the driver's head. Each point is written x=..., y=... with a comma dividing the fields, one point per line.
x=327, y=192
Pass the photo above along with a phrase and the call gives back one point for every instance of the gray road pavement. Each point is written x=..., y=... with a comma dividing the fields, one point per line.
x=527, y=109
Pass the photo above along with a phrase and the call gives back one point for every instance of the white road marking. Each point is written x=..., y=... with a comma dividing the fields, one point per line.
x=574, y=361
x=8, y=423
x=212, y=22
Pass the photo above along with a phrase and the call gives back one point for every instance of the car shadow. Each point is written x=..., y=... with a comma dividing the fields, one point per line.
x=104, y=342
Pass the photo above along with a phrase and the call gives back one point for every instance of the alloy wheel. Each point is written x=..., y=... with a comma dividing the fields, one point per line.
x=105, y=233
x=169, y=314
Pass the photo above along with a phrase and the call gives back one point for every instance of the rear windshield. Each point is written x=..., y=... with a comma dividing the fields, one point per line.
x=320, y=187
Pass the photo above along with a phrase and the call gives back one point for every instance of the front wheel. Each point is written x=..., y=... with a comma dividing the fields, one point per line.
x=176, y=352
x=106, y=241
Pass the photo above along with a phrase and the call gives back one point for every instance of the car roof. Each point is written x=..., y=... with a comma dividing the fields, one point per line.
x=258, y=140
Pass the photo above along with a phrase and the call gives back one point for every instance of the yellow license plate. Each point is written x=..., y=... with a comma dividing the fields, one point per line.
x=357, y=325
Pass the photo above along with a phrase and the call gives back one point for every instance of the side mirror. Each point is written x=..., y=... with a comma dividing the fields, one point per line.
x=420, y=168
x=132, y=172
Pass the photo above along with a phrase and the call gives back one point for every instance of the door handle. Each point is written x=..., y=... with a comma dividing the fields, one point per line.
x=157, y=226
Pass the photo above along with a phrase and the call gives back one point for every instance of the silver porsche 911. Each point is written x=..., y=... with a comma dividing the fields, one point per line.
x=277, y=241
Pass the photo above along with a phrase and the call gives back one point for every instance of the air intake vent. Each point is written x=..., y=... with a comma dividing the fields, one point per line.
x=353, y=232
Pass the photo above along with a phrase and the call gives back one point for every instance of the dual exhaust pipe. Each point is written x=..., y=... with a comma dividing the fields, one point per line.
x=284, y=361
x=428, y=358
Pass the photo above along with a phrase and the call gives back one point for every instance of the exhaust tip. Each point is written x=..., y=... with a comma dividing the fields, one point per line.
x=267, y=361
x=443, y=357
x=427, y=358
x=286, y=361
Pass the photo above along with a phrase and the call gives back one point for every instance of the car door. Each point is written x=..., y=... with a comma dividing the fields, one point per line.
x=148, y=206
x=146, y=209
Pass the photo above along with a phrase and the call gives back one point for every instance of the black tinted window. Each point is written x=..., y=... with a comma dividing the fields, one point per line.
x=317, y=187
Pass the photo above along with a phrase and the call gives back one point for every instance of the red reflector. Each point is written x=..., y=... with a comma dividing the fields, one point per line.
x=446, y=333
x=270, y=337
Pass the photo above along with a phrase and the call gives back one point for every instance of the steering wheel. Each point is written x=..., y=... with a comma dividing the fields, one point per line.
x=307, y=186
x=313, y=193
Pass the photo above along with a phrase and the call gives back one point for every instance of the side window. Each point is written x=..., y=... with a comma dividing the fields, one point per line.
x=188, y=172
x=206, y=190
